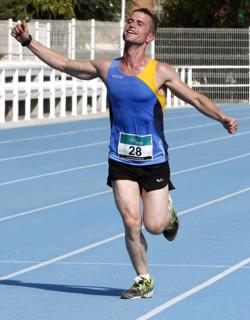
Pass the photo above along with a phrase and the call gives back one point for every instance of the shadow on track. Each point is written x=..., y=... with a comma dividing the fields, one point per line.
x=88, y=290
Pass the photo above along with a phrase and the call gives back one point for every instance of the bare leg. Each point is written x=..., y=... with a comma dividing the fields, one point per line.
x=155, y=215
x=127, y=197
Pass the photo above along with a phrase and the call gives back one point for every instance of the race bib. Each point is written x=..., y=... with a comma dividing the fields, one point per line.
x=134, y=147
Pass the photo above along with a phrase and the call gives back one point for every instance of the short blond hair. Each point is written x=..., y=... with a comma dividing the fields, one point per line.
x=150, y=14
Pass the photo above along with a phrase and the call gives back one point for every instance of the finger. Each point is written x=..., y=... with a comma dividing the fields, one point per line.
x=25, y=26
x=19, y=28
x=13, y=34
x=233, y=128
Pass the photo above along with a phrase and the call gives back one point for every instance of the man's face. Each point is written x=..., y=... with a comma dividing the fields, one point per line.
x=138, y=29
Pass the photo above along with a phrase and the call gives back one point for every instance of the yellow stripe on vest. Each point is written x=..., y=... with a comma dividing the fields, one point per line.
x=148, y=77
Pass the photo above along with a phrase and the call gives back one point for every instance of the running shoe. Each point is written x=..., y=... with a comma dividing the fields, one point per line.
x=142, y=288
x=172, y=228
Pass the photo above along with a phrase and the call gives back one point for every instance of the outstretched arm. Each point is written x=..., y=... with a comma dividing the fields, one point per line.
x=200, y=102
x=85, y=70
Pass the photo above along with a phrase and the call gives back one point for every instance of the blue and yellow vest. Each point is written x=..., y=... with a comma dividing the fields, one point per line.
x=136, y=116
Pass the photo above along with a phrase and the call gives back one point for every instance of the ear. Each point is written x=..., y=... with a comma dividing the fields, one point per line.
x=150, y=38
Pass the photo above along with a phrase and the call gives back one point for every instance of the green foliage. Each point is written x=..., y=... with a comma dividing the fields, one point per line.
x=102, y=10
x=15, y=9
x=48, y=9
x=206, y=13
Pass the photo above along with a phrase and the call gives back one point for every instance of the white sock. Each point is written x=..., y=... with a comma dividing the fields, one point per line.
x=145, y=276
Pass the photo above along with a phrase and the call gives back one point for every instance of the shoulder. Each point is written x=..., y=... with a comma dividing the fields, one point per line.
x=102, y=66
x=165, y=70
x=165, y=73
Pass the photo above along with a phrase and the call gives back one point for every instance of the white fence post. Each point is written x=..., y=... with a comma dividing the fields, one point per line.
x=2, y=96
x=189, y=77
x=40, y=94
x=73, y=38
x=27, y=115
x=121, y=37
x=92, y=45
x=48, y=34
x=10, y=40
x=15, y=96
x=52, y=99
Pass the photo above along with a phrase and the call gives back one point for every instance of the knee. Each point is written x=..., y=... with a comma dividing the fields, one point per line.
x=132, y=220
x=131, y=223
x=154, y=227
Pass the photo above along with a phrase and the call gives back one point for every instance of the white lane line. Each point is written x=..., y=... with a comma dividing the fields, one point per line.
x=96, y=244
x=209, y=124
x=32, y=211
x=59, y=134
x=210, y=164
x=65, y=256
x=208, y=203
x=208, y=141
x=124, y=264
x=105, y=142
x=29, y=155
x=54, y=205
x=53, y=173
x=194, y=290
x=47, y=136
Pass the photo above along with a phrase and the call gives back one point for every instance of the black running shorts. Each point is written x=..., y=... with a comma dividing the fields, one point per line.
x=150, y=178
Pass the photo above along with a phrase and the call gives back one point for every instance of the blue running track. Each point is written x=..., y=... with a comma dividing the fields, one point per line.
x=62, y=252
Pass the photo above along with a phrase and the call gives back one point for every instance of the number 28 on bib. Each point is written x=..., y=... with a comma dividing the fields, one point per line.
x=139, y=148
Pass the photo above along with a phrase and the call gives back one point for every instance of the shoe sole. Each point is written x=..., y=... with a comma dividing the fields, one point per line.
x=146, y=295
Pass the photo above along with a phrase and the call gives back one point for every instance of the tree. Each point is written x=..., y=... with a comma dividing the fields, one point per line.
x=47, y=9
x=103, y=10
x=15, y=9
x=210, y=13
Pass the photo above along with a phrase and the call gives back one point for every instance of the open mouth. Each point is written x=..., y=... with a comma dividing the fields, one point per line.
x=130, y=31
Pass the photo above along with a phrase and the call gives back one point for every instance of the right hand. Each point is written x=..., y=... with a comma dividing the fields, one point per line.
x=20, y=32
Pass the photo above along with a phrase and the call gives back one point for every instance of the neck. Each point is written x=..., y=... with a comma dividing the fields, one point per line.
x=134, y=56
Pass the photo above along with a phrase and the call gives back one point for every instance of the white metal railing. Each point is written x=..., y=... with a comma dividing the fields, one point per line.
x=223, y=84
x=79, y=39
x=34, y=90
x=31, y=90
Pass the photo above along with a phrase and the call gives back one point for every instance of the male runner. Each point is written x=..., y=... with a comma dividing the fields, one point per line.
x=138, y=156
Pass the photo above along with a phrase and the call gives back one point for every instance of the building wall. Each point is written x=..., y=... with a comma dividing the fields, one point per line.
x=145, y=4
x=154, y=5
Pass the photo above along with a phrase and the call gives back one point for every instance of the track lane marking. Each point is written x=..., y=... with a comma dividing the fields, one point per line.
x=47, y=174
x=106, y=141
x=71, y=132
x=194, y=290
x=54, y=205
x=112, y=238
x=124, y=264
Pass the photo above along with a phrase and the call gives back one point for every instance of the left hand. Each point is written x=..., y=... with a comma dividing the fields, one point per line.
x=230, y=124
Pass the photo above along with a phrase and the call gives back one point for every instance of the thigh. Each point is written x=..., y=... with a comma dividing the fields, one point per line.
x=127, y=197
x=155, y=207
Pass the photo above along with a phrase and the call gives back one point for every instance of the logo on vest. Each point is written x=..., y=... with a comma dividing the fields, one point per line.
x=117, y=76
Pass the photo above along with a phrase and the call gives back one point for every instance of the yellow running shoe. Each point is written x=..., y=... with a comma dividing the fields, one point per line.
x=172, y=228
x=142, y=288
